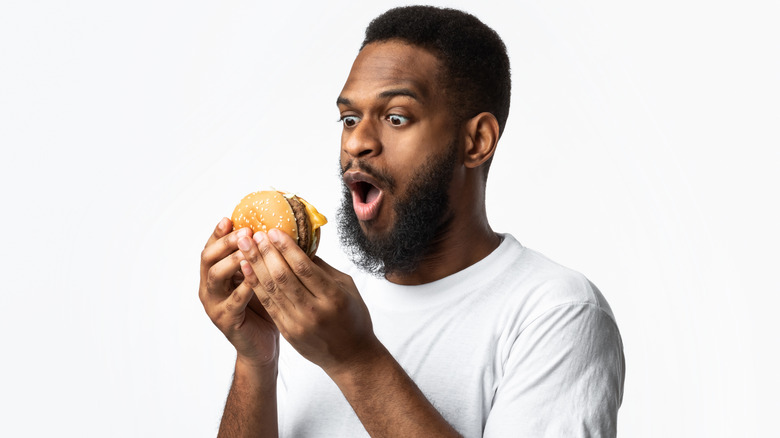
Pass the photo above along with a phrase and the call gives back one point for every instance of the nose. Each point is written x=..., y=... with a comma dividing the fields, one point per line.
x=362, y=141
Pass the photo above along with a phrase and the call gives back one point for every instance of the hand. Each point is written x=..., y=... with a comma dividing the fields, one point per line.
x=227, y=299
x=316, y=308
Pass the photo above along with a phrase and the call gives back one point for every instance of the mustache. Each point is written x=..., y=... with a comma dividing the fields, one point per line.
x=386, y=180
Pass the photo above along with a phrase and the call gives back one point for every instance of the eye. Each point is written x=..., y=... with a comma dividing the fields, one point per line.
x=397, y=120
x=349, y=121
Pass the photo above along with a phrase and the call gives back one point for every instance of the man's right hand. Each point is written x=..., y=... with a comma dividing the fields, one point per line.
x=247, y=327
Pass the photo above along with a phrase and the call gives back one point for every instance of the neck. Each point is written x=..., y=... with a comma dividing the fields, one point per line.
x=467, y=239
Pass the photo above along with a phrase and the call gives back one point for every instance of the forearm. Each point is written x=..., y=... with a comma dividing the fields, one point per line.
x=250, y=410
x=387, y=401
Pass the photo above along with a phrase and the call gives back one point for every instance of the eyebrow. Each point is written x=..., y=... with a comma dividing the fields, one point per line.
x=388, y=94
x=399, y=92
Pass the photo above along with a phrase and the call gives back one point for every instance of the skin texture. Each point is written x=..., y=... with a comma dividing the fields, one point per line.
x=396, y=118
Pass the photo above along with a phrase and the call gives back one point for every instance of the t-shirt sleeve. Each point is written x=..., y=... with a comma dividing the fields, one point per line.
x=563, y=376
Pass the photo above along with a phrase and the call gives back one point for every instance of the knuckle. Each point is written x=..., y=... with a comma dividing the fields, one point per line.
x=282, y=245
x=216, y=316
x=281, y=277
x=269, y=286
x=225, y=243
x=266, y=302
x=299, y=292
x=317, y=319
x=265, y=248
x=211, y=278
x=295, y=294
x=230, y=306
x=204, y=256
x=251, y=281
x=296, y=331
x=237, y=278
x=303, y=268
x=251, y=256
x=339, y=305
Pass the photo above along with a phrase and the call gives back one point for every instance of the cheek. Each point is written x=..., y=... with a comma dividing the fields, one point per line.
x=406, y=155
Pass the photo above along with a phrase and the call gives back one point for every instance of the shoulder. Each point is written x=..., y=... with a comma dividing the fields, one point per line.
x=540, y=284
x=558, y=332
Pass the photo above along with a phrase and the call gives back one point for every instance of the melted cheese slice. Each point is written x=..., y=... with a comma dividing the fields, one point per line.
x=316, y=218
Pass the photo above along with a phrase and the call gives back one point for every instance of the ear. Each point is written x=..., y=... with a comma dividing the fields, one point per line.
x=481, y=139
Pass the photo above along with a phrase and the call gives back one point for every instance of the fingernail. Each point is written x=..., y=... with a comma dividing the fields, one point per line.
x=260, y=237
x=274, y=235
x=244, y=244
x=223, y=224
x=244, y=232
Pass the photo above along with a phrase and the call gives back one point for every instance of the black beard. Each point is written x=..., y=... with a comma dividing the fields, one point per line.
x=422, y=216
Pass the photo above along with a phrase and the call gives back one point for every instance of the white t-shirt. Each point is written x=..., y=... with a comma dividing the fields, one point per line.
x=514, y=345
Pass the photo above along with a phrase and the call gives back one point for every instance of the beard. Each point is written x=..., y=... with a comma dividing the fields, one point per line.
x=422, y=217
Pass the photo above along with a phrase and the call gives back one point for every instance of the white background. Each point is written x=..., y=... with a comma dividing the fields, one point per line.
x=642, y=149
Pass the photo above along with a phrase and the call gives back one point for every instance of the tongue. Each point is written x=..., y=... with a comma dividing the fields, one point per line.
x=372, y=194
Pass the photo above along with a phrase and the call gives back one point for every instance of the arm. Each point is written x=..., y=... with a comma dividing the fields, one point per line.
x=320, y=312
x=567, y=368
x=251, y=405
x=250, y=409
x=387, y=401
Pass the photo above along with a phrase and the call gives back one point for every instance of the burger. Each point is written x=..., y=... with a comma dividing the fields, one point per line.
x=264, y=210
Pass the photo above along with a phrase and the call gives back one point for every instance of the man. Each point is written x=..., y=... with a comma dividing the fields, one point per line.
x=463, y=332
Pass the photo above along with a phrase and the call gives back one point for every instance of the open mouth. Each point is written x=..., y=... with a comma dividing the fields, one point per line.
x=366, y=192
x=366, y=196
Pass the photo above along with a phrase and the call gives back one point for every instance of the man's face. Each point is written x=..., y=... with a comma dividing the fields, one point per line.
x=398, y=150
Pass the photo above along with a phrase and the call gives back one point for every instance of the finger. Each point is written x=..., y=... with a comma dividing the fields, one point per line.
x=310, y=276
x=231, y=311
x=220, y=278
x=254, y=304
x=220, y=248
x=256, y=272
x=251, y=279
x=281, y=252
x=237, y=278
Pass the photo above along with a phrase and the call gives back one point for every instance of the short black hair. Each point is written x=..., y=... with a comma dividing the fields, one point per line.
x=476, y=65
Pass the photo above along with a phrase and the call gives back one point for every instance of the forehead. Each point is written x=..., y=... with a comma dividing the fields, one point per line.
x=393, y=64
